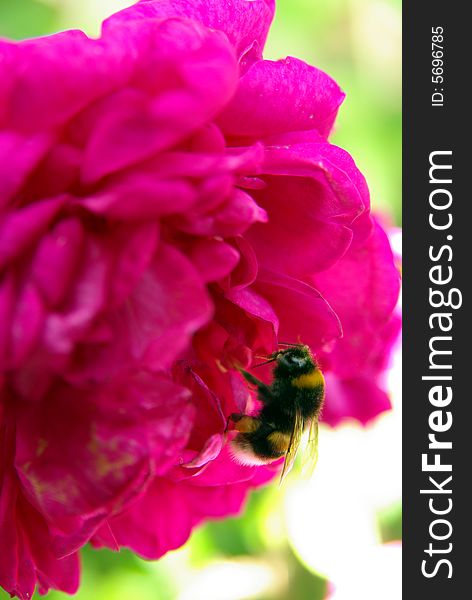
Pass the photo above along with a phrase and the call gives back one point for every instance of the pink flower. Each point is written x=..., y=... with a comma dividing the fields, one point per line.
x=170, y=207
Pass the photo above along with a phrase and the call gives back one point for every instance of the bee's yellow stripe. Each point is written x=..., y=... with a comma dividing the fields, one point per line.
x=247, y=424
x=309, y=380
x=279, y=440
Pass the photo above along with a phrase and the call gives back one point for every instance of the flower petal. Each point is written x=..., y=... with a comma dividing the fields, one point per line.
x=151, y=533
x=213, y=258
x=135, y=249
x=27, y=325
x=141, y=197
x=245, y=272
x=209, y=418
x=17, y=574
x=7, y=305
x=286, y=95
x=195, y=73
x=21, y=228
x=243, y=21
x=363, y=289
x=57, y=260
x=81, y=455
x=26, y=543
x=234, y=216
x=62, y=574
x=155, y=323
x=314, y=195
x=303, y=313
x=62, y=72
x=356, y=398
x=18, y=156
x=249, y=318
x=87, y=296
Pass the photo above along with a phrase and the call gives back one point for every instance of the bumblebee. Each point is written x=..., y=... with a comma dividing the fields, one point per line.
x=290, y=405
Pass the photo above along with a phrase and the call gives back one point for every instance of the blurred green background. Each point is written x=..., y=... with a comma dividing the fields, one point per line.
x=346, y=523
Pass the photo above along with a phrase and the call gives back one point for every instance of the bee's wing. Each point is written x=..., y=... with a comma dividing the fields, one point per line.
x=295, y=439
x=310, y=457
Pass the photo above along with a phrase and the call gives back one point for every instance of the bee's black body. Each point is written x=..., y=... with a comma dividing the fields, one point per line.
x=290, y=403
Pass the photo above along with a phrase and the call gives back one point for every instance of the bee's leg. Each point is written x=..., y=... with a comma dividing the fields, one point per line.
x=250, y=377
x=264, y=391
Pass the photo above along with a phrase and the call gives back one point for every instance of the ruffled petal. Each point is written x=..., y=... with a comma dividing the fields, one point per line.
x=358, y=398
x=304, y=314
x=213, y=258
x=153, y=326
x=249, y=318
x=22, y=228
x=27, y=325
x=18, y=156
x=26, y=543
x=363, y=289
x=244, y=22
x=314, y=195
x=151, y=533
x=196, y=72
x=305, y=99
x=57, y=260
x=63, y=73
x=81, y=456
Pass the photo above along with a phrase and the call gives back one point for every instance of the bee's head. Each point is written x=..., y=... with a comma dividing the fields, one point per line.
x=294, y=361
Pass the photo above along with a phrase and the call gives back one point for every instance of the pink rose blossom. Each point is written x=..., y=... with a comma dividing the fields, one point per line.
x=170, y=207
